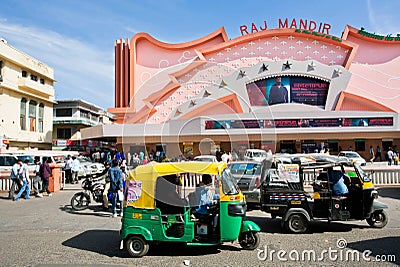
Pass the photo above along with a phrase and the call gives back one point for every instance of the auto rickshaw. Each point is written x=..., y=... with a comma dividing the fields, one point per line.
x=333, y=193
x=152, y=216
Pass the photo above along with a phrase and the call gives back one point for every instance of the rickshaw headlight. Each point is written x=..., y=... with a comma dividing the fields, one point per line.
x=374, y=194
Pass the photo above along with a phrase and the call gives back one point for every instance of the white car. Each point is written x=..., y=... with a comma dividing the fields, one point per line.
x=206, y=158
x=255, y=154
x=353, y=157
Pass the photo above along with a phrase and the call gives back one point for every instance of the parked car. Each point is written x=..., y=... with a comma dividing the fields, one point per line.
x=85, y=168
x=206, y=158
x=353, y=157
x=255, y=154
x=7, y=160
x=247, y=175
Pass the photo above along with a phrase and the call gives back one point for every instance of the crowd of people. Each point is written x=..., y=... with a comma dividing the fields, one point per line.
x=21, y=180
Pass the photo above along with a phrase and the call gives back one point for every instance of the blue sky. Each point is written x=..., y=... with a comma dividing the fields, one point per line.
x=76, y=37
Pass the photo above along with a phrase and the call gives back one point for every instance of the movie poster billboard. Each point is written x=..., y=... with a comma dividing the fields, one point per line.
x=279, y=90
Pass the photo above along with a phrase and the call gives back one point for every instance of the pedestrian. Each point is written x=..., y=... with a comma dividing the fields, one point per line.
x=116, y=186
x=45, y=173
x=372, y=154
x=106, y=188
x=390, y=156
x=14, y=176
x=37, y=180
x=378, y=153
x=224, y=157
x=75, y=164
x=135, y=161
x=67, y=169
x=395, y=158
x=25, y=181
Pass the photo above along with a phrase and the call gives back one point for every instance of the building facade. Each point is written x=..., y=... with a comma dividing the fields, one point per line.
x=26, y=100
x=291, y=89
x=69, y=117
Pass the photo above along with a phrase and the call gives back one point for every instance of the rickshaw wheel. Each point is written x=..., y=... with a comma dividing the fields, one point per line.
x=137, y=247
x=296, y=223
x=249, y=240
x=378, y=219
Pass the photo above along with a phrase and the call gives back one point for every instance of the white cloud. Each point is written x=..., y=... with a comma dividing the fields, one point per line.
x=383, y=16
x=82, y=71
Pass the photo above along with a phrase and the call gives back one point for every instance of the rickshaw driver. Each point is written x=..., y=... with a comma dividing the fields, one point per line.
x=206, y=199
x=339, y=187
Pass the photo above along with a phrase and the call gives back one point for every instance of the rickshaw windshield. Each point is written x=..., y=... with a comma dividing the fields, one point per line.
x=363, y=176
x=229, y=186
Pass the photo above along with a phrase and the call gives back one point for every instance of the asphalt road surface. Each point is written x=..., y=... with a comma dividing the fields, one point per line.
x=46, y=232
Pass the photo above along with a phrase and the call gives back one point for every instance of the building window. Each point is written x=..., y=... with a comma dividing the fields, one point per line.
x=32, y=116
x=64, y=112
x=33, y=77
x=95, y=118
x=41, y=114
x=41, y=80
x=24, y=74
x=63, y=133
x=85, y=114
x=22, y=114
x=360, y=145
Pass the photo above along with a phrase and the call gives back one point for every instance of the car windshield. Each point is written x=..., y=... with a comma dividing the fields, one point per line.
x=259, y=154
x=24, y=157
x=229, y=186
x=352, y=155
x=245, y=168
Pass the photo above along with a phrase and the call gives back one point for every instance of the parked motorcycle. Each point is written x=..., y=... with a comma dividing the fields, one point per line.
x=81, y=200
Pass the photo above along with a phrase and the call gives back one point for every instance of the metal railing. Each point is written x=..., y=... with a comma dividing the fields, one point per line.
x=379, y=177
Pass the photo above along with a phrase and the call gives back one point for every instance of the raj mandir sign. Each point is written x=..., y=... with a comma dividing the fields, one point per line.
x=308, y=25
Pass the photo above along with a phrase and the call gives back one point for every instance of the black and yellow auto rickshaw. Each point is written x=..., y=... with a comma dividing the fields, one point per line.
x=163, y=203
x=332, y=193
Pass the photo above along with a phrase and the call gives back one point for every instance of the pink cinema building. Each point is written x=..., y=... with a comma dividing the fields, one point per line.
x=295, y=88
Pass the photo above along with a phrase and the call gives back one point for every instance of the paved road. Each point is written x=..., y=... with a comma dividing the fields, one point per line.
x=46, y=232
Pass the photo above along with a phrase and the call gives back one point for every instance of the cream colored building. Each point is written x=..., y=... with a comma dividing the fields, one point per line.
x=26, y=99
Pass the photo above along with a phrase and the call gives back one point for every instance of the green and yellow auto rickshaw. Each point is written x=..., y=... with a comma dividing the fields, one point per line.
x=164, y=202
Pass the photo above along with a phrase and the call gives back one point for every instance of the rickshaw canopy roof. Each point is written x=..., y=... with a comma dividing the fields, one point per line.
x=144, y=179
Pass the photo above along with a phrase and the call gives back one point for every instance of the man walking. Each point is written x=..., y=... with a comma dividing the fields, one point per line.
x=37, y=180
x=14, y=176
x=45, y=173
x=25, y=181
x=67, y=169
x=372, y=153
x=115, y=175
x=75, y=169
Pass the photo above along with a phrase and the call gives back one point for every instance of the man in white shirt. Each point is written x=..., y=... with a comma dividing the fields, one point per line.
x=67, y=169
x=25, y=181
x=75, y=169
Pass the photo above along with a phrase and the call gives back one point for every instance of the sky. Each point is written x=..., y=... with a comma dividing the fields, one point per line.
x=76, y=37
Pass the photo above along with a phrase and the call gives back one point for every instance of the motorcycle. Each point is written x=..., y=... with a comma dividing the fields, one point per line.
x=81, y=200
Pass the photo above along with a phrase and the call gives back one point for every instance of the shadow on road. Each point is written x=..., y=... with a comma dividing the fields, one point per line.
x=379, y=247
x=90, y=211
x=269, y=225
x=106, y=242
x=393, y=192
